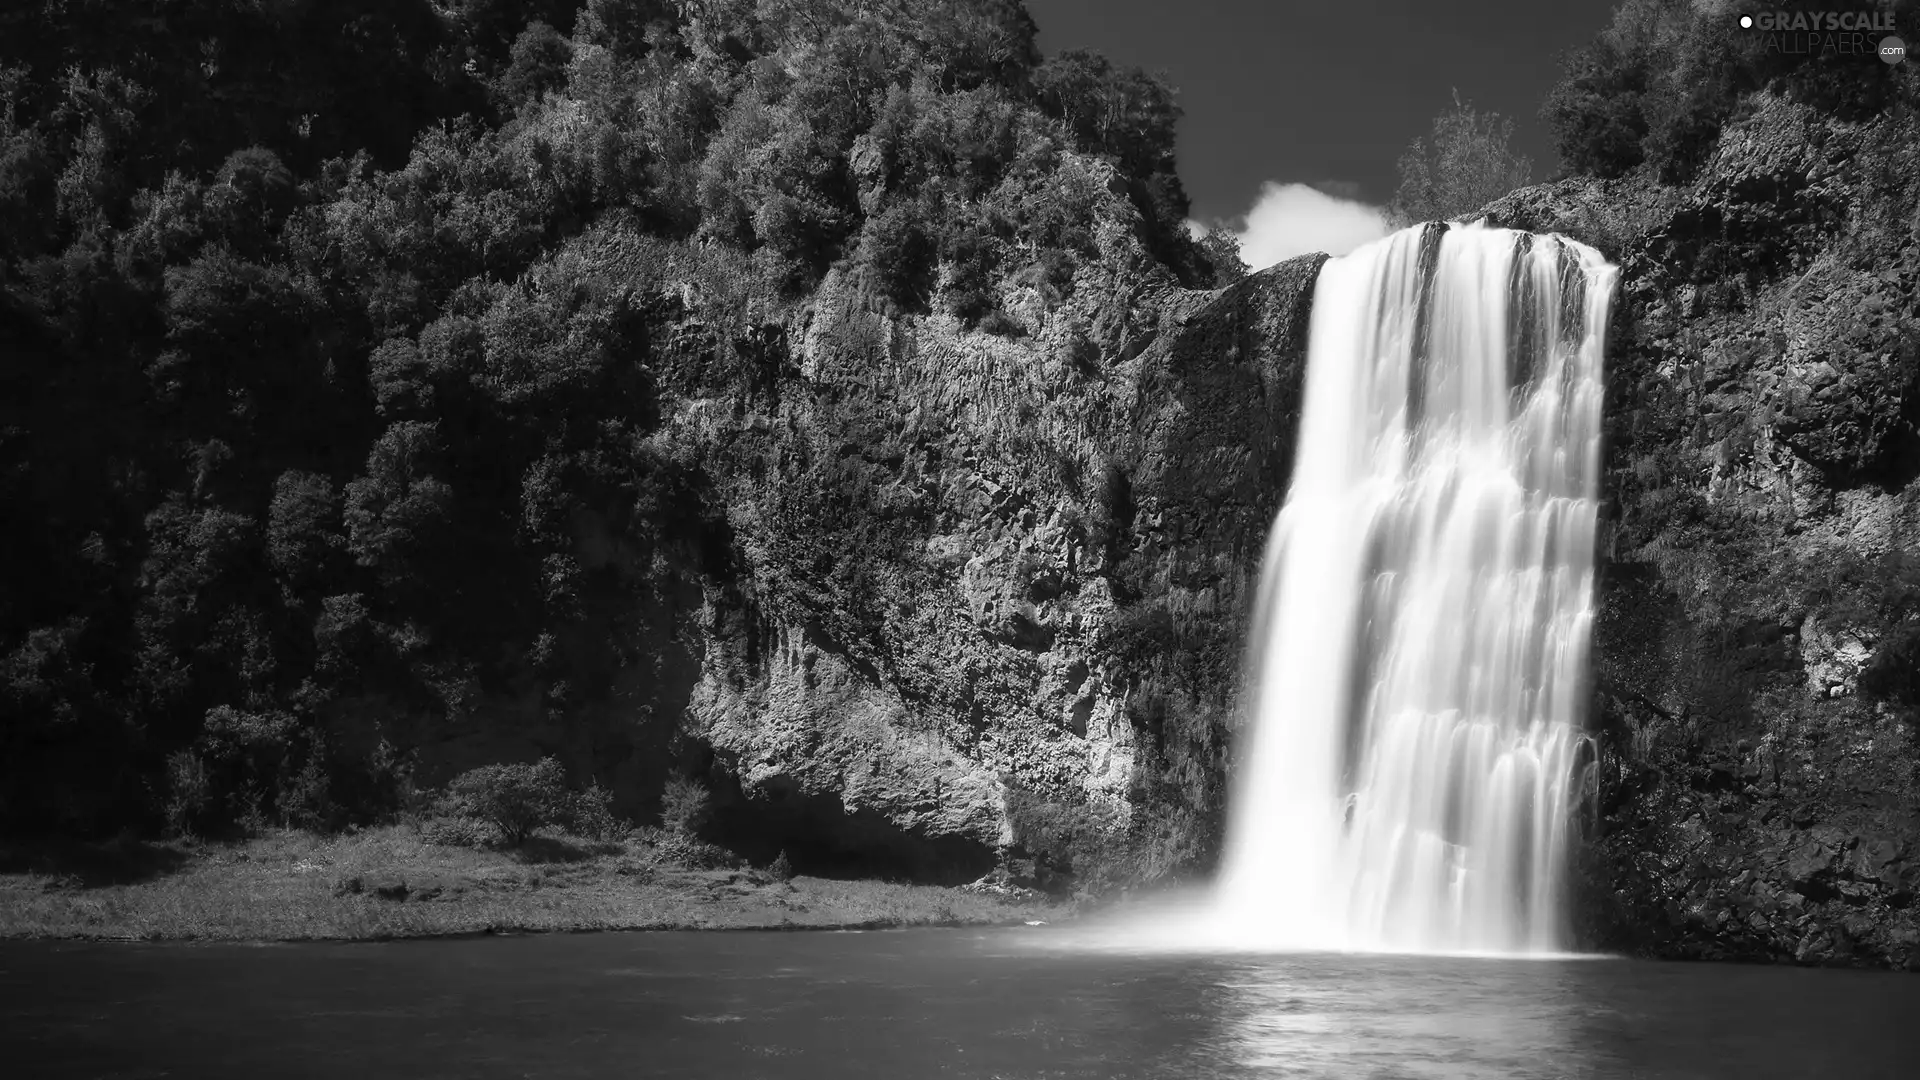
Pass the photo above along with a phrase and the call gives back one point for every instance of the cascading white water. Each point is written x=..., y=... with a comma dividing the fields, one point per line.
x=1420, y=648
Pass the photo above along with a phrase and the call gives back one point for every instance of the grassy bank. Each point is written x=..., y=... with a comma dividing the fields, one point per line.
x=388, y=883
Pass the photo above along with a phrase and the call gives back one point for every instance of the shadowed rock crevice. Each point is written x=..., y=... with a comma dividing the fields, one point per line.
x=822, y=838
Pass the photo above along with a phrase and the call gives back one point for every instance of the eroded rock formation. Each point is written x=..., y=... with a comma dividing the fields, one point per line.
x=993, y=588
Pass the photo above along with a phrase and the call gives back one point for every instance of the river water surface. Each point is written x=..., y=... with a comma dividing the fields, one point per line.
x=922, y=1003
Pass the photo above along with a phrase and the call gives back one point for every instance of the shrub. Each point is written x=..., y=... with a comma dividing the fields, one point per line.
x=1124, y=113
x=1051, y=275
x=189, y=791
x=798, y=237
x=300, y=524
x=683, y=850
x=970, y=258
x=538, y=63
x=592, y=816
x=374, y=784
x=781, y=867
x=1000, y=324
x=900, y=255
x=1222, y=251
x=621, y=25
x=1703, y=75
x=306, y=800
x=515, y=799
x=457, y=832
x=685, y=806
x=1467, y=162
x=1595, y=112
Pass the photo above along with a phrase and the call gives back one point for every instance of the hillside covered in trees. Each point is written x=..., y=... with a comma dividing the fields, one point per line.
x=824, y=403
x=340, y=341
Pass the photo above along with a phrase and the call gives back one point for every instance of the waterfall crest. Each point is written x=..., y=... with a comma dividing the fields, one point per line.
x=1413, y=745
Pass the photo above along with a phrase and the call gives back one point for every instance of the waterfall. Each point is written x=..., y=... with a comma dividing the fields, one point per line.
x=1417, y=672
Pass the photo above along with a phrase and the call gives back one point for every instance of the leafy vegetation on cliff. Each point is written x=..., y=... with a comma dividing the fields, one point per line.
x=1464, y=163
x=1658, y=85
x=341, y=339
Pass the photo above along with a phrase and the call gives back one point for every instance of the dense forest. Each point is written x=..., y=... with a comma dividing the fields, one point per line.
x=309, y=397
x=342, y=341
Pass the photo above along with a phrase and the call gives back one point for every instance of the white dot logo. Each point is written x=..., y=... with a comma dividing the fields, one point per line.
x=1746, y=22
x=1893, y=50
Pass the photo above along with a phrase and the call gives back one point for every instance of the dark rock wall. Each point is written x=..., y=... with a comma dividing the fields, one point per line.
x=992, y=588
x=1760, y=796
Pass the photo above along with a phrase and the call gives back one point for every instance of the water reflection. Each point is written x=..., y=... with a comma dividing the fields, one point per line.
x=1341, y=1017
x=1375, y=1016
x=1000, y=1005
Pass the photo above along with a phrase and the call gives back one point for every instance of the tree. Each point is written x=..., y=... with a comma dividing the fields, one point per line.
x=1222, y=250
x=685, y=806
x=538, y=63
x=1596, y=112
x=515, y=799
x=1464, y=164
x=1123, y=112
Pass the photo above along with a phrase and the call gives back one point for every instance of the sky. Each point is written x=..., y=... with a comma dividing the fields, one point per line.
x=1287, y=101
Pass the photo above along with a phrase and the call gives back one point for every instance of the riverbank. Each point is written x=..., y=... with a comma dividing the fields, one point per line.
x=390, y=883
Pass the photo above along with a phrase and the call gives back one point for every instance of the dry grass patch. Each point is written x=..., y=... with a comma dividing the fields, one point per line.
x=389, y=882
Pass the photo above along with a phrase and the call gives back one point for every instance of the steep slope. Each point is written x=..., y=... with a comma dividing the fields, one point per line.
x=993, y=590
x=1756, y=644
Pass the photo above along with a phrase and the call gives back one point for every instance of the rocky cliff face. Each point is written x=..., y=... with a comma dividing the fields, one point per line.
x=1755, y=650
x=993, y=587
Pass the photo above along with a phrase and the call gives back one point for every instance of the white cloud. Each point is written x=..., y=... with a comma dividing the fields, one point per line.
x=1295, y=219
